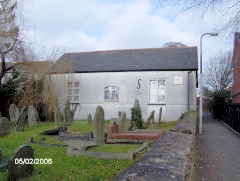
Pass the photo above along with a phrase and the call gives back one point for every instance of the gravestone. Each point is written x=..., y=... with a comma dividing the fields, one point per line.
x=20, y=170
x=136, y=104
x=98, y=126
x=68, y=114
x=58, y=116
x=22, y=119
x=4, y=126
x=128, y=124
x=3, y=163
x=160, y=115
x=150, y=119
x=33, y=117
x=122, y=121
x=89, y=119
x=13, y=113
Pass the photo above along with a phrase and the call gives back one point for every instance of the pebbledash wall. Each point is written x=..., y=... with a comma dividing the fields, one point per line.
x=117, y=91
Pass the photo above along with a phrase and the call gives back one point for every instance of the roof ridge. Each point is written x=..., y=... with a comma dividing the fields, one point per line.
x=114, y=50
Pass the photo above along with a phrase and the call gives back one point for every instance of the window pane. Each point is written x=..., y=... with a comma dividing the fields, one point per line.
x=69, y=92
x=70, y=98
x=157, y=92
x=70, y=84
x=161, y=98
x=161, y=88
x=76, y=84
x=153, y=99
x=153, y=88
x=76, y=98
x=76, y=92
x=161, y=83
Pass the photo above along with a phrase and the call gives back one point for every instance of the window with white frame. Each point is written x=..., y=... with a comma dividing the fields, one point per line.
x=73, y=92
x=157, y=91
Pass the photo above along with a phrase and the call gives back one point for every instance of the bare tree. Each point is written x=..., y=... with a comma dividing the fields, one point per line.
x=174, y=45
x=11, y=45
x=218, y=71
x=228, y=12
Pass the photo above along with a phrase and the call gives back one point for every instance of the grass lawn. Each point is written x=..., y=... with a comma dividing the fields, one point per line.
x=65, y=167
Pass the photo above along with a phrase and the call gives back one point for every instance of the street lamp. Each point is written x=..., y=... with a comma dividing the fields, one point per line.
x=201, y=82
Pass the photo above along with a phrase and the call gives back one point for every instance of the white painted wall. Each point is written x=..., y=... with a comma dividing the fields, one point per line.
x=92, y=93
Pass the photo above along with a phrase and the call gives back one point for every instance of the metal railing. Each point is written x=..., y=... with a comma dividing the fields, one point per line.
x=232, y=116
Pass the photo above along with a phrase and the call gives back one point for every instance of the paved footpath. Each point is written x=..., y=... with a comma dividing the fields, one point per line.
x=218, y=153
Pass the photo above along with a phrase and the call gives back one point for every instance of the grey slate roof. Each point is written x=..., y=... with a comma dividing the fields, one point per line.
x=152, y=59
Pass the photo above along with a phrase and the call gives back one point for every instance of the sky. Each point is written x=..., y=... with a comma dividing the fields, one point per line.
x=59, y=26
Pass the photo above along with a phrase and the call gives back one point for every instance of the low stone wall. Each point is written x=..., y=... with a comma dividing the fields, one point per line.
x=170, y=158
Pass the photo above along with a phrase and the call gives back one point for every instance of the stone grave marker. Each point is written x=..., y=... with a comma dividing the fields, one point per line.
x=4, y=126
x=122, y=121
x=150, y=119
x=89, y=119
x=58, y=116
x=18, y=170
x=68, y=114
x=22, y=119
x=98, y=126
x=33, y=116
x=3, y=162
x=81, y=145
x=13, y=113
x=160, y=115
x=136, y=104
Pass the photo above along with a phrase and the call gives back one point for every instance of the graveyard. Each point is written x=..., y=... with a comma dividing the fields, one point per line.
x=74, y=153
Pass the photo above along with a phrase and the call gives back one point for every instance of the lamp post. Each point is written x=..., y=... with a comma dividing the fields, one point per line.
x=201, y=82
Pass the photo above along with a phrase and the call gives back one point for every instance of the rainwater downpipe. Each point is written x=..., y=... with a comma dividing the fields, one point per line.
x=188, y=101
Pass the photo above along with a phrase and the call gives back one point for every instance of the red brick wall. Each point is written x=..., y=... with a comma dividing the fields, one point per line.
x=236, y=69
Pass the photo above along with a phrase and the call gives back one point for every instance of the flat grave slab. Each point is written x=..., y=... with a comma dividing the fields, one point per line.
x=114, y=133
x=79, y=144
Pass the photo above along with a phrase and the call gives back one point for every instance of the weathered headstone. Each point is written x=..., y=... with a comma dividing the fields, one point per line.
x=22, y=119
x=19, y=165
x=136, y=104
x=3, y=162
x=4, y=126
x=80, y=144
x=128, y=124
x=160, y=115
x=150, y=119
x=89, y=119
x=58, y=116
x=33, y=117
x=98, y=126
x=13, y=113
x=68, y=114
x=122, y=121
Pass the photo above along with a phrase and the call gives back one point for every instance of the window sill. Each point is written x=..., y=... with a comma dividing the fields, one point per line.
x=156, y=103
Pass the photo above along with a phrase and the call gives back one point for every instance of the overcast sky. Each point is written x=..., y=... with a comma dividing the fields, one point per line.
x=92, y=25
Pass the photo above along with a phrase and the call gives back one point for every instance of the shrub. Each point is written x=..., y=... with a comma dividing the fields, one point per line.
x=220, y=98
x=7, y=93
x=137, y=115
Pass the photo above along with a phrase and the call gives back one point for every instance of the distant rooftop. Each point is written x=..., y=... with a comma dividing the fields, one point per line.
x=151, y=59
